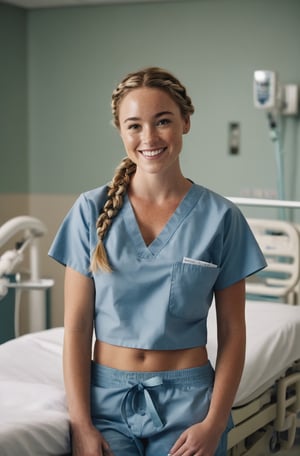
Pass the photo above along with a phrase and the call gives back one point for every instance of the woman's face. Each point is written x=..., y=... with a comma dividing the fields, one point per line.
x=151, y=127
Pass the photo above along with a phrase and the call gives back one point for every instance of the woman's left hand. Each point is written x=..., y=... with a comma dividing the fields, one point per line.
x=198, y=440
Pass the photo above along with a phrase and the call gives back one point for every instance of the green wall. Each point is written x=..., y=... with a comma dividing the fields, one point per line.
x=14, y=160
x=75, y=56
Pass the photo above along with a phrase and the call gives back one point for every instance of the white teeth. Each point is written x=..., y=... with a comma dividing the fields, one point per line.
x=151, y=153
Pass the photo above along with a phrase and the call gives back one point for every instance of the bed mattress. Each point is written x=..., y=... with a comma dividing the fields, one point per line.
x=273, y=345
x=33, y=415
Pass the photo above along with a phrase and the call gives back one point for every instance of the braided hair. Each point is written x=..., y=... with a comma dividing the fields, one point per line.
x=152, y=77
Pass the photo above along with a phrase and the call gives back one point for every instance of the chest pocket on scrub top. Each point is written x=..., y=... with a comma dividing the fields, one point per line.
x=190, y=290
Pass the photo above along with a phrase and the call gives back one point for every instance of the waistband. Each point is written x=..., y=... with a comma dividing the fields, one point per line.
x=109, y=377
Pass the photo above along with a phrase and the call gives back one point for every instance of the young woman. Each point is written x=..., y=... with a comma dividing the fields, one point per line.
x=144, y=257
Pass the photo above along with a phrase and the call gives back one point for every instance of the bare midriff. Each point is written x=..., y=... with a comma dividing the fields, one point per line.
x=138, y=360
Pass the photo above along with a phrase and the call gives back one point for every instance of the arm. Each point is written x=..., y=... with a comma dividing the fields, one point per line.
x=203, y=437
x=78, y=323
x=230, y=307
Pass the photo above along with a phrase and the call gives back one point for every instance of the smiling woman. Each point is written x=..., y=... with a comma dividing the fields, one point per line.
x=145, y=255
x=151, y=127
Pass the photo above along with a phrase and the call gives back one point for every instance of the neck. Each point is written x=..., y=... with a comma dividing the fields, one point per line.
x=158, y=188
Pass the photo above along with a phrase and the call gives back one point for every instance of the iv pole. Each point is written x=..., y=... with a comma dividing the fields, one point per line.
x=276, y=139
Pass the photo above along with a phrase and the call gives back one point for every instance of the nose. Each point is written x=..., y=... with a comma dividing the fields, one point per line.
x=149, y=134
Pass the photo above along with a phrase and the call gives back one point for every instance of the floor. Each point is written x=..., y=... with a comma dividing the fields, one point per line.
x=295, y=451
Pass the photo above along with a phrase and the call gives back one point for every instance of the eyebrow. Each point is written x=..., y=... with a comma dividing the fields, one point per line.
x=159, y=114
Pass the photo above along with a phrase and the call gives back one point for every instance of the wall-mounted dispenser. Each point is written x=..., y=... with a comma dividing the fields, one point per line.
x=269, y=94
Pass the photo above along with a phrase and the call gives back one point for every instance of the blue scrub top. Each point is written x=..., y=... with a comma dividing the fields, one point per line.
x=158, y=295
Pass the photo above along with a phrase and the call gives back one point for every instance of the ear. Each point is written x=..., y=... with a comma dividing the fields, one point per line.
x=186, y=125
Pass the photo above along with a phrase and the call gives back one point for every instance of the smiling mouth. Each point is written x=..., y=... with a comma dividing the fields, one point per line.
x=152, y=153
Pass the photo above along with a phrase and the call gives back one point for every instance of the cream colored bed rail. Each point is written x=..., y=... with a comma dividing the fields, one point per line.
x=280, y=243
x=261, y=425
x=263, y=202
x=288, y=405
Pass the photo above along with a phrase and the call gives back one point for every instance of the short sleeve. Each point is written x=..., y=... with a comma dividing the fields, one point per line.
x=71, y=245
x=241, y=255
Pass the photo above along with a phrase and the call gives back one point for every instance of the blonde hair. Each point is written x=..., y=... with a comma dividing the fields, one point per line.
x=149, y=77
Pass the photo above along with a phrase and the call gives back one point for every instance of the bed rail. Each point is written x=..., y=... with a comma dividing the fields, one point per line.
x=268, y=424
x=280, y=243
x=288, y=405
x=264, y=202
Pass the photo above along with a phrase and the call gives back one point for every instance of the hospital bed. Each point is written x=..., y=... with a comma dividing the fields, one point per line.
x=267, y=403
x=33, y=412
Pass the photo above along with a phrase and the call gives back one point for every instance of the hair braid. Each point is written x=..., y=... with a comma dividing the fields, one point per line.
x=115, y=197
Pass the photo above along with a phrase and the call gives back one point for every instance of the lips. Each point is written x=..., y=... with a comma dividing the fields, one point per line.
x=152, y=152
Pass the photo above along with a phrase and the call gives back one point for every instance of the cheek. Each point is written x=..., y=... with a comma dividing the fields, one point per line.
x=128, y=141
x=177, y=140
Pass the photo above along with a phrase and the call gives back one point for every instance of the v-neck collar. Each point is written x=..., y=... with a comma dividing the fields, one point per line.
x=180, y=213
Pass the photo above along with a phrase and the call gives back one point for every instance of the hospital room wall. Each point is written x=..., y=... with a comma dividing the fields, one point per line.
x=14, y=160
x=71, y=62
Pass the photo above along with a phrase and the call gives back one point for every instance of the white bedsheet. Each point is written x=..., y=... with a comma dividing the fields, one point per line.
x=33, y=416
x=273, y=344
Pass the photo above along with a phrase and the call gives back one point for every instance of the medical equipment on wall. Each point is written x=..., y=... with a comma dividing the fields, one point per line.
x=30, y=229
x=277, y=100
x=272, y=96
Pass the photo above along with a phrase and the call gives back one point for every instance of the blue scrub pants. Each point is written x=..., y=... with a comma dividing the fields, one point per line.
x=143, y=413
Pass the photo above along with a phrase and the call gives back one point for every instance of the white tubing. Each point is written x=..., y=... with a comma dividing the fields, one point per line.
x=21, y=223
